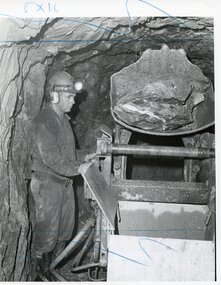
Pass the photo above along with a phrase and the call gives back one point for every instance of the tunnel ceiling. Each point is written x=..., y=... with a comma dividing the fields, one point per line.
x=92, y=50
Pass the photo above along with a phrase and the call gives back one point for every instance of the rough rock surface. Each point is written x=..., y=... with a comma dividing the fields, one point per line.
x=95, y=49
x=15, y=234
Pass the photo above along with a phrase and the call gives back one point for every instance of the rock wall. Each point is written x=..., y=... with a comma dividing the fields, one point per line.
x=22, y=71
x=16, y=113
x=95, y=48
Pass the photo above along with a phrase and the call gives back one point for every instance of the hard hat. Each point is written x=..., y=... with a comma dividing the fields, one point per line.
x=61, y=81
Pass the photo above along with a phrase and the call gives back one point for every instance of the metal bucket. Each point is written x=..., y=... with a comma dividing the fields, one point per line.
x=171, y=80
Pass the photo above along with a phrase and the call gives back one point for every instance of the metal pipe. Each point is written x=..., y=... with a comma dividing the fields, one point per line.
x=73, y=244
x=86, y=266
x=84, y=249
x=124, y=149
x=97, y=238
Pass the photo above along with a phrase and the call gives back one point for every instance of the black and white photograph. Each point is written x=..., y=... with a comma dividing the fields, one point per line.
x=107, y=147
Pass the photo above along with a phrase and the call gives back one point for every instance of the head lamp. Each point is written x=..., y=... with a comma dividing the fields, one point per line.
x=78, y=86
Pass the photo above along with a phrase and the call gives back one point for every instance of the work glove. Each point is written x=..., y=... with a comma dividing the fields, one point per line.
x=90, y=157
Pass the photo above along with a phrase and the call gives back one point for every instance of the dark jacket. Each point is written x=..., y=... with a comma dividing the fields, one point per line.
x=53, y=144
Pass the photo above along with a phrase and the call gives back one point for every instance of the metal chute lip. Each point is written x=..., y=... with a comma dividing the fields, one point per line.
x=138, y=130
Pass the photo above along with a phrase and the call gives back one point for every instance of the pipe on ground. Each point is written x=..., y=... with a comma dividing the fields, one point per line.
x=84, y=249
x=86, y=266
x=71, y=246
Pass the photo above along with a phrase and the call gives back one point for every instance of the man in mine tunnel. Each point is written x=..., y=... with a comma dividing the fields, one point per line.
x=55, y=162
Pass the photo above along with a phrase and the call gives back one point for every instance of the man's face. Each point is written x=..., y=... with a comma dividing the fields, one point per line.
x=66, y=101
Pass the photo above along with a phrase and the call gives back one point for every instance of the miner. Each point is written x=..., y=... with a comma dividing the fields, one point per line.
x=55, y=162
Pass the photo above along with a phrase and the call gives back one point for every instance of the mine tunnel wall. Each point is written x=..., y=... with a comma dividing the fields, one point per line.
x=24, y=66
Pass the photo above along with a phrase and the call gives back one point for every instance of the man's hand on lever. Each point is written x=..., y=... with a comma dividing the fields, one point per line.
x=90, y=157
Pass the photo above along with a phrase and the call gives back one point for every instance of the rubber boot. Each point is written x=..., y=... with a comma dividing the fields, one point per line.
x=43, y=263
